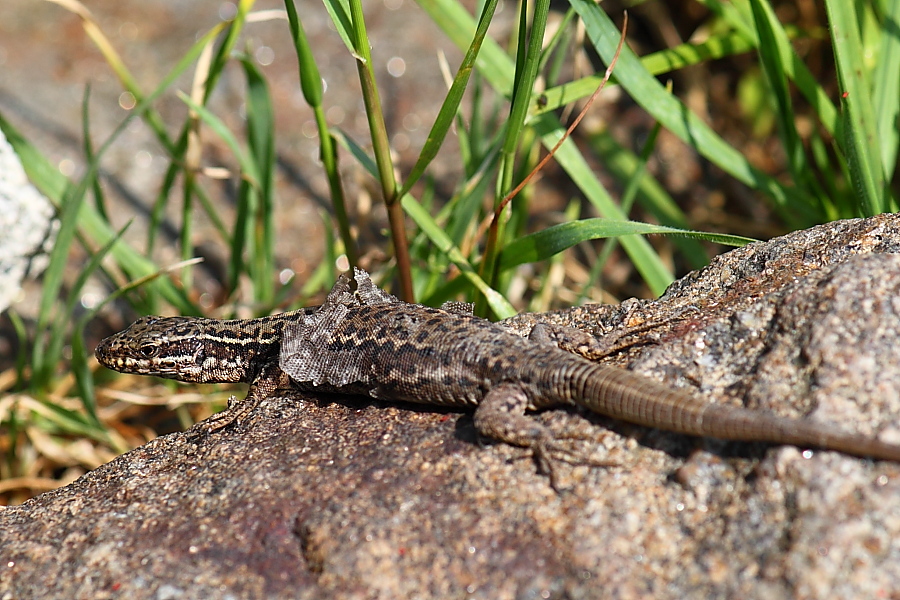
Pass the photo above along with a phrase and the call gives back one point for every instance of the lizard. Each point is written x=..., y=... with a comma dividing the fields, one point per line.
x=366, y=341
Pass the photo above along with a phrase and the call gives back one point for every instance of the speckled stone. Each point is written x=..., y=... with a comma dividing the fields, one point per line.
x=319, y=497
x=26, y=220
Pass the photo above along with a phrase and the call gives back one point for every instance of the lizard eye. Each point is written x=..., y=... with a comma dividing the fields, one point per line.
x=149, y=350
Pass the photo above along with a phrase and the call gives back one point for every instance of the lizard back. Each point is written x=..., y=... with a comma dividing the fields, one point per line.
x=367, y=341
x=408, y=352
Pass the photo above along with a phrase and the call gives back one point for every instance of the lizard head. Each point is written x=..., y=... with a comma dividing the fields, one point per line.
x=170, y=347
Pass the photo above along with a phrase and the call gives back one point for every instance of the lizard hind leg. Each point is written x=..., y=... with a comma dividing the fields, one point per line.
x=577, y=341
x=501, y=416
x=594, y=347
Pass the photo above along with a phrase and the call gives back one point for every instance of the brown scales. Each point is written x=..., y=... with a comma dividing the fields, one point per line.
x=365, y=341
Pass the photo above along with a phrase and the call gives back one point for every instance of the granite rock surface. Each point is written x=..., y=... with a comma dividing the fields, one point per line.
x=319, y=496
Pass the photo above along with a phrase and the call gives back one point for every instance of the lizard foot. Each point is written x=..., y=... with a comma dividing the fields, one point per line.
x=501, y=416
x=269, y=379
x=234, y=414
x=612, y=342
x=549, y=453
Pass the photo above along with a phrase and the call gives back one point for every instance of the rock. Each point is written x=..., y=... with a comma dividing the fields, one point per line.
x=349, y=498
x=27, y=224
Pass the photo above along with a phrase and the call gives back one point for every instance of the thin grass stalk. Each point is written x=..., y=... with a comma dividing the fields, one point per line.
x=382, y=150
x=529, y=58
x=311, y=85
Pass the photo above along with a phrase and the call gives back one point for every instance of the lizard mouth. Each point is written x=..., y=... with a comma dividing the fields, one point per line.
x=113, y=357
x=127, y=353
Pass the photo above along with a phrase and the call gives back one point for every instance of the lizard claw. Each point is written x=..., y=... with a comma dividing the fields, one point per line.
x=233, y=415
x=549, y=452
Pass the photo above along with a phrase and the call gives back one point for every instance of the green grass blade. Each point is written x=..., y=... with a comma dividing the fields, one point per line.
x=860, y=138
x=524, y=81
x=310, y=79
x=658, y=63
x=677, y=118
x=311, y=84
x=88, y=146
x=450, y=106
x=339, y=11
x=457, y=24
x=21, y=331
x=261, y=142
x=243, y=230
x=79, y=353
x=548, y=242
x=886, y=89
x=554, y=55
x=57, y=419
x=43, y=360
x=381, y=148
x=766, y=24
x=528, y=59
x=226, y=48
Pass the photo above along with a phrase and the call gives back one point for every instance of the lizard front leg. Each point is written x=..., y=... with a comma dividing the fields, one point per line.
x=269, y=379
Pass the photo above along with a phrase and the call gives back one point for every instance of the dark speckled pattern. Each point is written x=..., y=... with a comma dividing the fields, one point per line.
x=196, y=350
x=367, y=341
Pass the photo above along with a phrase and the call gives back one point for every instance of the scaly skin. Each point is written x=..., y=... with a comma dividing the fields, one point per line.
x=368, y=342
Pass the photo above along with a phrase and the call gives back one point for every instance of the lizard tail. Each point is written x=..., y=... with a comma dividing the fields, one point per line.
x=624, y=395
x=742, y=424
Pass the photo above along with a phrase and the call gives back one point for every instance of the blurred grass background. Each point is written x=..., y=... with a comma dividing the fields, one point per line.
x=721, y=121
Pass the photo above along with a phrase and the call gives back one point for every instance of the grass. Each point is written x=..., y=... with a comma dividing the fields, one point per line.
x=503, y=103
